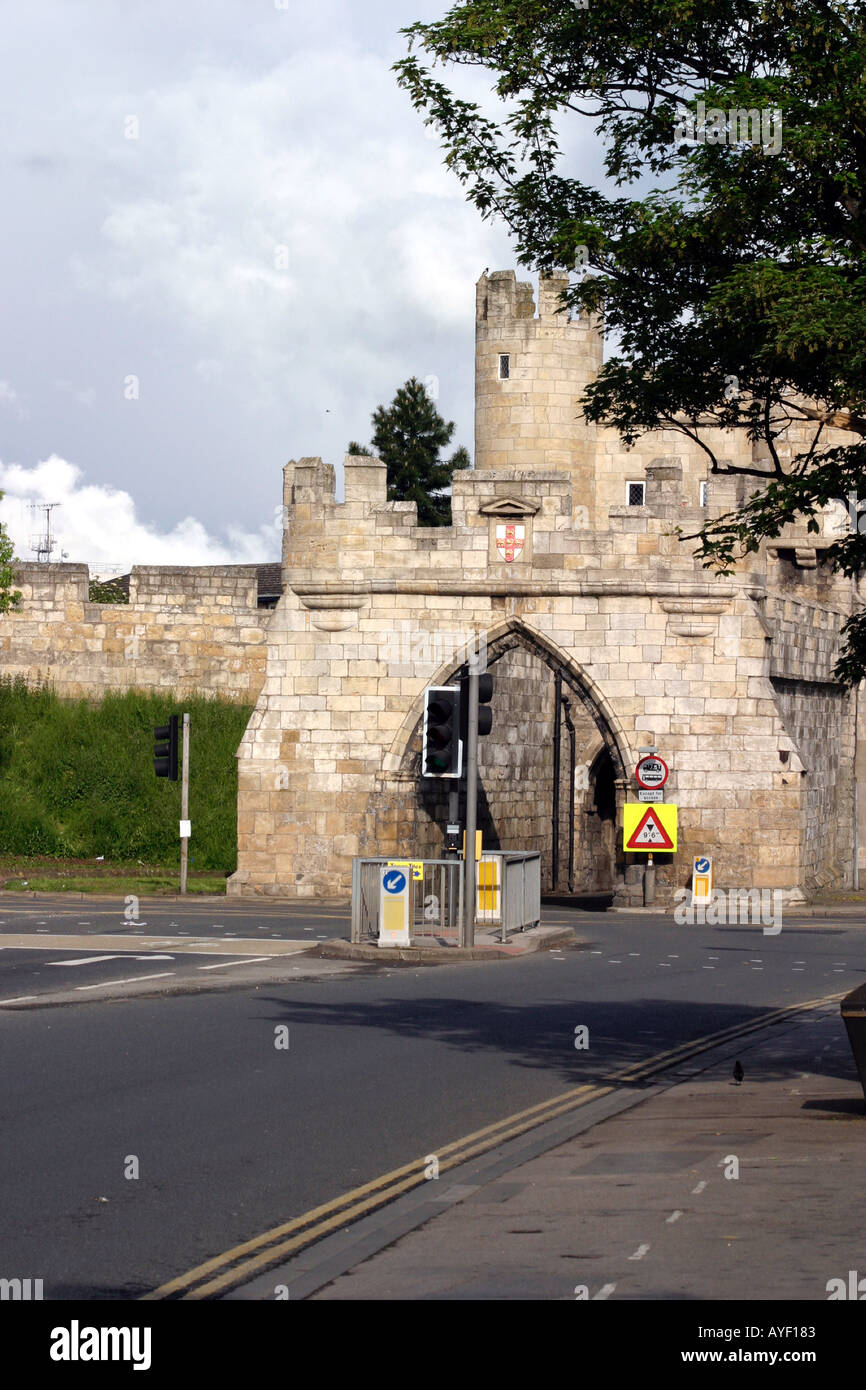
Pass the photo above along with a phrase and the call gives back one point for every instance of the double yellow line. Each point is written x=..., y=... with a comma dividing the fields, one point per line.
x=239, y=1264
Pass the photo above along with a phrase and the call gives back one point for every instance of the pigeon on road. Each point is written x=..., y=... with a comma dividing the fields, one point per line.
x=738, y=1072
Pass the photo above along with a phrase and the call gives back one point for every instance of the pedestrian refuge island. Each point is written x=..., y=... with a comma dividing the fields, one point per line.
x=507, y=895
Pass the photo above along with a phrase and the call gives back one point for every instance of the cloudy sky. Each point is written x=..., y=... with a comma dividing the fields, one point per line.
x=226, y=237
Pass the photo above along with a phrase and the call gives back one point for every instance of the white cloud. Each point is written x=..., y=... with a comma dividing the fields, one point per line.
x=98, y=525
x=286, y=206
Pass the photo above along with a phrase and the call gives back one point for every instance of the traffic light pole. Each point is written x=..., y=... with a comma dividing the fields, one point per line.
x=471, y=810
x=184, y=802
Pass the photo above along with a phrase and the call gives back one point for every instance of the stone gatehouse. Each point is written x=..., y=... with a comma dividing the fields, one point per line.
x=603, y=633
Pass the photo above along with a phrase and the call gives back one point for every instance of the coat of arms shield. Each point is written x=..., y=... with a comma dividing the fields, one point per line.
x=510, y=540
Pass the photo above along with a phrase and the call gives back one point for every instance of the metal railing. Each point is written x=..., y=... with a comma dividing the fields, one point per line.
x=512, y=901
x=521, y=891
x=437, y=898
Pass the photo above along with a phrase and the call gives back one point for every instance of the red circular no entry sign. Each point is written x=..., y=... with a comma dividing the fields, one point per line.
x=651, y=772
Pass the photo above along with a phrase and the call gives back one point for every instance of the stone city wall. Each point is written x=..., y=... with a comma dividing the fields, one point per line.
x=188, y=630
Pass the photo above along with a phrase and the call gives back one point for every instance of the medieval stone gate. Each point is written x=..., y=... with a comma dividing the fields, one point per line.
x=604, y=634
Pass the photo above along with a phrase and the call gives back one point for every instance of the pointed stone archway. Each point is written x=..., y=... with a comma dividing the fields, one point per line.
x=552, y=772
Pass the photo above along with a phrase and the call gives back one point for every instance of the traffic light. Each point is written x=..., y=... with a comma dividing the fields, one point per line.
x=441, y=751
x=165, y=749
x=485, y=695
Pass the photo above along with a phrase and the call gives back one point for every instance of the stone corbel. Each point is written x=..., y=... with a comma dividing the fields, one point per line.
x=333, y=612
x=699, y=615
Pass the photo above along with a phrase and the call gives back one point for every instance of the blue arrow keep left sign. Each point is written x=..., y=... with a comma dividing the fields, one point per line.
x=702, y=866
x=394, y=881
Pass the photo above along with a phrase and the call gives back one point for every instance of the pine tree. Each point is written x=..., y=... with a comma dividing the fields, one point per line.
x=408, y=436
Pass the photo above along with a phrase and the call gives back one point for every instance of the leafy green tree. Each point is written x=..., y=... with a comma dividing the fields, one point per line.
x=408, y=436
x=736, y=288
x=9, y=597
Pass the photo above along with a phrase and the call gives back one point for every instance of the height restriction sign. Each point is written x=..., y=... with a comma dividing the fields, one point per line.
x=649, y=827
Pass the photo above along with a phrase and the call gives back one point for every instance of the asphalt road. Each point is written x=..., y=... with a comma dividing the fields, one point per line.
x=232, y=1134
x=211, y=917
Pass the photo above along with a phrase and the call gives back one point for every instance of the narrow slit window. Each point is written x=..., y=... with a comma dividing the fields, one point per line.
x=702, y=495
x=504, y=366
x=635, y=494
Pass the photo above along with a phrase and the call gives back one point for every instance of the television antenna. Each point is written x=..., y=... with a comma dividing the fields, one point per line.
x=43, y=543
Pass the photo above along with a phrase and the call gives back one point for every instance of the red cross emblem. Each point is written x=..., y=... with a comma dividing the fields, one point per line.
x=510, y=540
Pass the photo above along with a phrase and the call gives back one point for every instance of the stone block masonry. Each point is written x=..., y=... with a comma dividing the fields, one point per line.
x=651, y=652
x=187, y=630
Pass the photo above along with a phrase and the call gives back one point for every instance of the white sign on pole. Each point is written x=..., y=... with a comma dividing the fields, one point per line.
x=185, y=829
x=650, y=796
x=395, y=901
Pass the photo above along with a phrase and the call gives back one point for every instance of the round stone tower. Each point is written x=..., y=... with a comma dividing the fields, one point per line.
x=530, y=373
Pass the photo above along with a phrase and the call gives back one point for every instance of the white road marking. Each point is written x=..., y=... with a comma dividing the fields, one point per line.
x=224, y=965
x=21, y=999
x=106, y=984
x=708, y=967
x=604, y=1292
x=614, y=962
x=634, y=953
x=639, y=1253
x=696, y=1191
x=674, y=1216
x=85, y=960
x=95, y=960
x=666, y=963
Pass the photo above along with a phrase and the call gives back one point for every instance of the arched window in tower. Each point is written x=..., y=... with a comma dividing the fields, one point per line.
x=504, y=366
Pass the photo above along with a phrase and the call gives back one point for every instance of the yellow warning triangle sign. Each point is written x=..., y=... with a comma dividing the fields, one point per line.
x=649, y=833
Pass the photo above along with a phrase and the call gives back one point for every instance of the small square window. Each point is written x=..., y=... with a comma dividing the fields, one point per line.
x=702, y=494
x=504, y=366
x=635, y=494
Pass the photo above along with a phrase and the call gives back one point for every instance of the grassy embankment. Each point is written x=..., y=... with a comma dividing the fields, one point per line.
x=81, y=808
